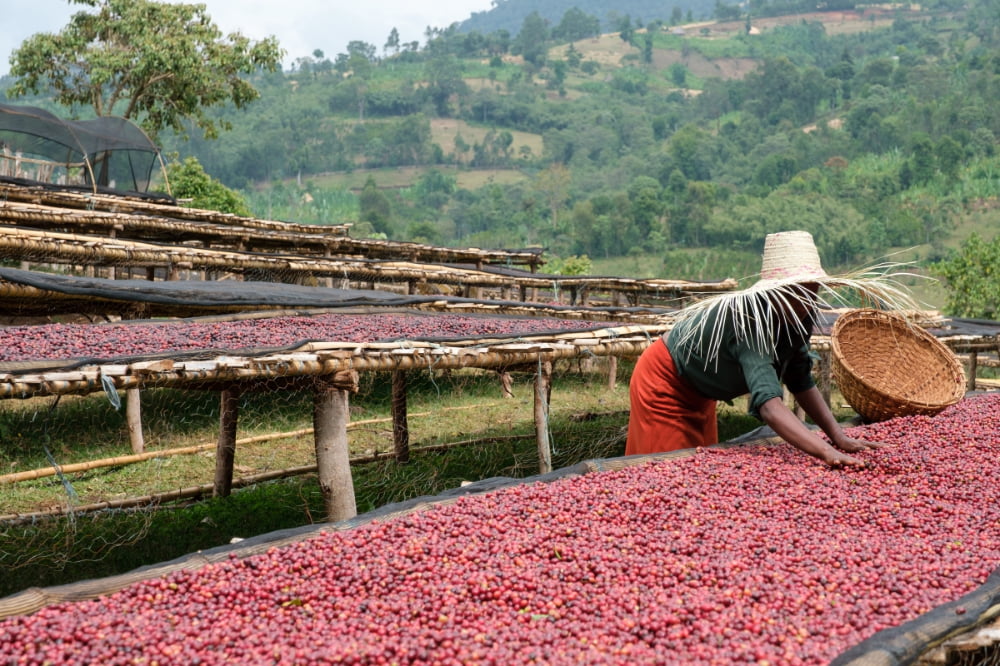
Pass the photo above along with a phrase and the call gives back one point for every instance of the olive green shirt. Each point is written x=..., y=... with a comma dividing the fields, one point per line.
x=740, y=367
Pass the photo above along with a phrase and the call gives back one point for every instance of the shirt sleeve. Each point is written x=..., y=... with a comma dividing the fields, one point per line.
x=761, y=378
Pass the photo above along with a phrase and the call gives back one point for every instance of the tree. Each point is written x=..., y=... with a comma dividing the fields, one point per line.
x=392, y=42
x=973, y=279
x=647, y=47
x=443, y=73
x=949, y=154
x=553, y=184
x=155, y=63
x=359, y=61
x=625, y=29
x=646, y=207
x=575, y=25
x=922, y=162
x=189, y=182
x=531, y=41
x=375, y=208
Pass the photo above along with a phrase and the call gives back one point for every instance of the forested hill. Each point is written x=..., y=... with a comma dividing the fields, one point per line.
x=509, y=15
x=669, y=148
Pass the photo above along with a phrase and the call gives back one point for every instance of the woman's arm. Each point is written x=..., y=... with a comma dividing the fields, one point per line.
x=792, y=430
x=817, y=409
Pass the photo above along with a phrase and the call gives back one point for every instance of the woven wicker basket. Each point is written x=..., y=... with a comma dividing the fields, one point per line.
x=886, y=367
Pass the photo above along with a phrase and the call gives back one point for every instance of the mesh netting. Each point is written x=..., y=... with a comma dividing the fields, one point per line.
x=107, y=151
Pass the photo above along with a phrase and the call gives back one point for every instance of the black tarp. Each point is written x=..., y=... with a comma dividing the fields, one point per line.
x=227, y=293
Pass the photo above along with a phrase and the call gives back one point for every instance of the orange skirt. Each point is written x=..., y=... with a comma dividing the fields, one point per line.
x=666, y=413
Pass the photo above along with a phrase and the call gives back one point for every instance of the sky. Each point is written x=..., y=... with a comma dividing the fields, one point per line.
x=301, y=26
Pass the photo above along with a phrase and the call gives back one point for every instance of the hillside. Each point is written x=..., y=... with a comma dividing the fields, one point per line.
x=509, y=15
x=681, y=143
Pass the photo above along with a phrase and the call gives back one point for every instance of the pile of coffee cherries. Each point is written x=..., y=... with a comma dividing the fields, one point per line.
x=120, y=340
x=752, y=554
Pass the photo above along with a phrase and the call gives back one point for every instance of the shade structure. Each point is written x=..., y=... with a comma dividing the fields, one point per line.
x=109, y=151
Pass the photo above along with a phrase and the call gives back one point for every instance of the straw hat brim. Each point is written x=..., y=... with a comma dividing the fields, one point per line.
x=753, y=308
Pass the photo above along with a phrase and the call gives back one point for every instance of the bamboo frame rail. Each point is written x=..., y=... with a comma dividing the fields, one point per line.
x=240, y=234
x=74, y=249
x=317, y=363
x=90, y=201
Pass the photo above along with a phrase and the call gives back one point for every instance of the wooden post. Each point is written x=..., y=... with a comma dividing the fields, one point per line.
x=506, y=383
x=400, y=428
x=330, y=418
x=542, y=380
x=970, y=381
x=133, y=417
x=793, y=405
x=112, y=273
x=612, y=372
x=225, y=450
x=825, y=376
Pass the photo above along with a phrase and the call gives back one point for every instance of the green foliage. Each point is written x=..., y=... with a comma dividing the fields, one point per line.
x=886, y=135
x=571, y=265
x=575, y=25
x=189, y=183
x=376, y=209
x=531, y=40
x=158, y=63
x=973, y=279
x=704, y=265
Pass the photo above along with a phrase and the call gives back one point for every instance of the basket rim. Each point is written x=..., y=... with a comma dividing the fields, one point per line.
x=900, y=324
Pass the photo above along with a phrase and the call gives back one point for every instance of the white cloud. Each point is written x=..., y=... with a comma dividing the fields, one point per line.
x=301, y=26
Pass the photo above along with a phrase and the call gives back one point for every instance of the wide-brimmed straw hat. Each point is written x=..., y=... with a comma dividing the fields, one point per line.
x=790, y=261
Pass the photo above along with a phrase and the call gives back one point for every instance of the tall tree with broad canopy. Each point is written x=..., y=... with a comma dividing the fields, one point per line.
x=155, y=63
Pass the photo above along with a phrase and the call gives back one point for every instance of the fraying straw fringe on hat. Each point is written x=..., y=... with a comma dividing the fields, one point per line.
x=790, y=261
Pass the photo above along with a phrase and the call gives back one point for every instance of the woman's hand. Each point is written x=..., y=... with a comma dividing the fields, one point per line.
x=837, y=459
x=851, y=445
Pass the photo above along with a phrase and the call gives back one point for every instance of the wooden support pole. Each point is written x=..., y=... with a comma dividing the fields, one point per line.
x=133, y=417
x=543, y=380
x=331, y=415
x=400, y=427
x=793, y=405
x=612, y=372
x=506, y=383
x=225, y=450
x=826, y=376
x=970, y=380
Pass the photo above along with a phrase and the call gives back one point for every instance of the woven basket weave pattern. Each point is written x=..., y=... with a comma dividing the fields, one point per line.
x=886, y=367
